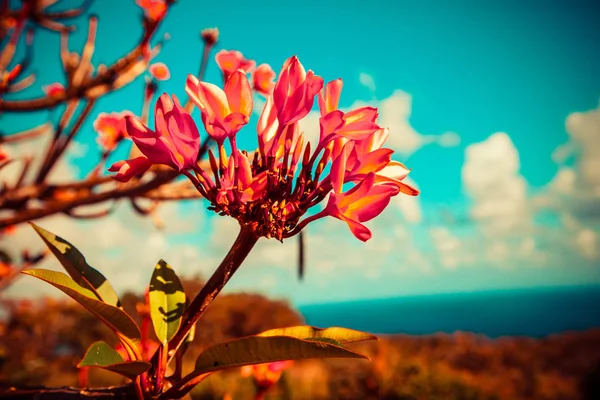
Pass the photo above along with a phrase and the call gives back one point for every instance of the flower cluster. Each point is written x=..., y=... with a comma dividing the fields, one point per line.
x=273, y=188
x=111, y=129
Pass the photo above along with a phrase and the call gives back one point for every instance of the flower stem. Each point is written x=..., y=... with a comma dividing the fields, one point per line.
x=240, y=249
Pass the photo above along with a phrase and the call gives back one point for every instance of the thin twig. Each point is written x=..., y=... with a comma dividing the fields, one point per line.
x=26, y=135
x=61, y=145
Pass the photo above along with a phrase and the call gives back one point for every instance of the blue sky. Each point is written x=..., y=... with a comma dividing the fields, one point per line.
x=483, y=91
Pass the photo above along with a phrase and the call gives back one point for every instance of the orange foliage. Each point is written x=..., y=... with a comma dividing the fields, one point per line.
x=460, y=366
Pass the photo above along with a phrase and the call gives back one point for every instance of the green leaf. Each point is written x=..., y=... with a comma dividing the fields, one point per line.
x=167, y=301
x=116, y=319
x=340, y=335
x=257, y=350
x=76, y=266
x=101, y=355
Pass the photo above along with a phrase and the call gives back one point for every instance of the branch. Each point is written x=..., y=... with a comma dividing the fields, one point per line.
x=116, y=392
x=126, y=190
x=26, y=135
x=107, y=78
x=174, y=191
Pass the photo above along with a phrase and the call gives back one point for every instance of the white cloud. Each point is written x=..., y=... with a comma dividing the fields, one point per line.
x=367, y=81
x=492, y=180
x=574, y=191
x=587, y=243
x=562, y=153
x=269, y=281
x=584, y=130
x=564, y=181
x=410, y=206
x=448, y=139
x=527, y=246
x=448, y=247
x=394, y=113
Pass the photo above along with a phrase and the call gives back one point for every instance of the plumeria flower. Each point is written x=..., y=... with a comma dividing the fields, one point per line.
x=266, y=375
x=55, y=89
x=271, y=190
x=174, y=142
x=263, y=79
x=8, y=77
x=230, y=61
x=153, y=9
x=159, y=71
x=9, y=230
x=111, y=129
x=294, y=92
x=3, y=155
x=6, y=269
x=224, y=112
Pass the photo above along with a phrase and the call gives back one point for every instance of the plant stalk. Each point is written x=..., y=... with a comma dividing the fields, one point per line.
x=240, y=249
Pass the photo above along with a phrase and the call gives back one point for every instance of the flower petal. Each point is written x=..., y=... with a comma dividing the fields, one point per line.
x=243, y=170
x=213, y=100
x=184, y=134
x=234, y=122
x=159, y=71
x=361, y=114
x=230, y=61
x=130, y=168
x=154, y=145
x=338, y=168
x=263, y=79
x=329, y=97
x=239, y=93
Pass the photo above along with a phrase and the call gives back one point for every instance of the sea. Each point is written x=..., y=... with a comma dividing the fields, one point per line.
x=524, y=312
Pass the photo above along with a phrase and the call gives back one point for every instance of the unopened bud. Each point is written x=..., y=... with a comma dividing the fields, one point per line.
x=210, y=36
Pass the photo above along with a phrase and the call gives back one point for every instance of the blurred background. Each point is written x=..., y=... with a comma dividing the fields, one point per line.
x=485, y=286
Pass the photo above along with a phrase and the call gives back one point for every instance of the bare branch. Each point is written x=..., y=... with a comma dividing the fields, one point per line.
x=26, y=135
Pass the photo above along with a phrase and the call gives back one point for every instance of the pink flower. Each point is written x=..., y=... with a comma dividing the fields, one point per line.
x=329, y=97
x=224, y=112
x=267, y=126
x=131, y=168
x=393, y=173
x=360, y=204
x=111, y=129
x=6, y=77
x=295, y=91
x=174, y=142
x=356, y=124
x=353, y=164
x=153, y=9
x=272, y=190
x=262, y=79
x=159, y=71
x=54, y=89
x=266, y=375
x=3, y=155
x=230, y=61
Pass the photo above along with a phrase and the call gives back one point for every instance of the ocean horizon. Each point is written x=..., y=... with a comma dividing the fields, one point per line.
x=533, y=312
